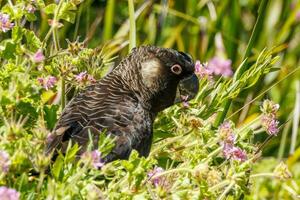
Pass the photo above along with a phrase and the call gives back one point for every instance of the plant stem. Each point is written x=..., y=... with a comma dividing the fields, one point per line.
x=63, y=92
x=132, y=30
x=283, y=139
x=219, y=185
x=41, y=180
x=172, y=171
x=108, y=19
x=295, y=119
x=215, y=152
x=226, y=190
x=77, y=22
x=261, y=175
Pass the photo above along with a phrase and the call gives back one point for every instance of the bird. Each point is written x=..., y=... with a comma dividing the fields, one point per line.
x=124, y=104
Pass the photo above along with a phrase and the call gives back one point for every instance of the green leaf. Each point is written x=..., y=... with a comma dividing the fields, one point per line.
x=8, y=48
x=32, y=40
x=68, y=16
x=8, y=10
x=51, y=115
x=30, y=17
x=57, y=167
x=66, y=12
x=40, y=3
x=71, y=153
x=50, y=8
x=24, y=108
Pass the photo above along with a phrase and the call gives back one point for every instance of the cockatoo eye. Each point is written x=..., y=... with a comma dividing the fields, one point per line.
x=176, y=69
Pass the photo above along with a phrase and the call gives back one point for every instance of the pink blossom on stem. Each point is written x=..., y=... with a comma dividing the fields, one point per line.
x=239, y=154
x=81, y=76
x=95, y=158
x=235, y=153
x=268, y=119
x=185, y=102
x=220, y=66
x=298, y=16
x=159, y=180
x=4, y=162
x=38, y=56
x=226, y=133
x=270, y=124
x=5, y=24
x=84, y=77
x=9, y=193
x=201, y=70
x=48, y=82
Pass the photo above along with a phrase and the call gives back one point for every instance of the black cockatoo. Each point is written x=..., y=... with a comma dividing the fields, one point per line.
x=126, y=101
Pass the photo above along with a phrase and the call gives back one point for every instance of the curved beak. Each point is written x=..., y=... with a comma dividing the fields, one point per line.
x=187, y=89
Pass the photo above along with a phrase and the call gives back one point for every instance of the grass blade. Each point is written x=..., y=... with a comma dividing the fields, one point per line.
x=132, y=30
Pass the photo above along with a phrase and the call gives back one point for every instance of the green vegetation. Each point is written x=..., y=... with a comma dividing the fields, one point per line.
x=231, y=142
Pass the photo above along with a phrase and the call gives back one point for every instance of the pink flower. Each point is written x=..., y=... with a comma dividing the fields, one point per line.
x=239, y=154
x=48, y=82
x=81, y=76
x=5, y=24
x=270, y=124
x=235, y=153
x=38, y=56
x=9, y=193
x=4, y=162
x=95, y=158
x=220, y=66
x=298, y=16
x=185, y=102
x=202, y=70
x=268, y=119
x=226, y=133
x=159, y=180
x=84, y=77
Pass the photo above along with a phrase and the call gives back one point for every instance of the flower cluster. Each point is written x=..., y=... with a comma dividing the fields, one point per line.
x=228, y=138
x=9, y=194
x=226, y=133
x=94, y=157
x=84, y=77
x=47, y=82
x=4, y=162
x=216, y=65
x=156, y=181
x=5, y=24
x=268, y=119
x=235, y=153
x=220, y=66
x=38, y=56
x=184, y=100
x=202, y=71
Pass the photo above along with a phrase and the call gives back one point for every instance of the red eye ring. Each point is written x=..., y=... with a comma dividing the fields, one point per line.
x=176, y=69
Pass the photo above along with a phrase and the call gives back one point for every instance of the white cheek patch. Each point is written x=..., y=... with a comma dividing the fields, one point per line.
x=151, y=71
